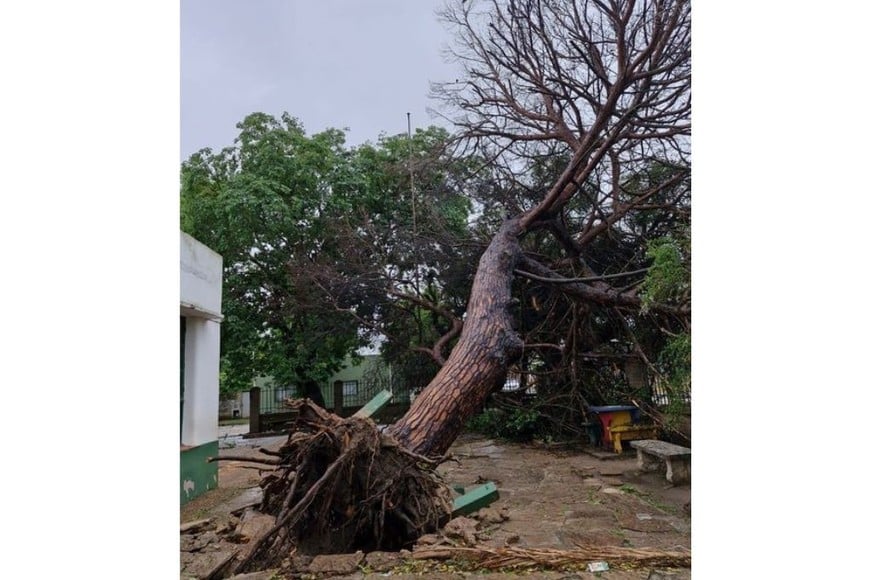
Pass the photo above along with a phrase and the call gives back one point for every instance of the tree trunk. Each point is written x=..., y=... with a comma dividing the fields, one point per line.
x=478, y=364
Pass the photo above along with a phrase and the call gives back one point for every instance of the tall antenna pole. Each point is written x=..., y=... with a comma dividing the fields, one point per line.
x=411, y=171
x=414, y=225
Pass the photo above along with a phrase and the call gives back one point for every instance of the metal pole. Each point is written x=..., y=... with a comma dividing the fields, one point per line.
x=411, y=171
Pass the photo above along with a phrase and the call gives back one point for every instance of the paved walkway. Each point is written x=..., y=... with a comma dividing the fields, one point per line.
x=231, y=436
x=232, y=430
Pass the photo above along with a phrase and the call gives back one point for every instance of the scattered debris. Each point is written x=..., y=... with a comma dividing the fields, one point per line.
x=597, y=567
x=195, y=525
x=383, y=561
x=660, y=575
x=462, y=528
x=516, y=558
x=479, y=540
x=490, y=515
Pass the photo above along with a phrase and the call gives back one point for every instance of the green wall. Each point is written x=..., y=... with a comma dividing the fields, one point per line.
x=355, y=373
x=197, y=474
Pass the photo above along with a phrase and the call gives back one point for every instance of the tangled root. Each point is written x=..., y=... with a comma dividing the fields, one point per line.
x=341, y=485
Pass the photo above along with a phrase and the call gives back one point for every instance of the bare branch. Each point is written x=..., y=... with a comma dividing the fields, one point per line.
x=585, y=280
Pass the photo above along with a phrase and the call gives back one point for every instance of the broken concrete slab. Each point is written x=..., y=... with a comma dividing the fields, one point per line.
x=428, y=540
x=188, y=543
x=250, y=497
x=336, y=563
x=208, y=564
x=462, y=528
x=196, y=542
x=196, y=525
x=490, y=515
x=253, y=525
x=383, y=561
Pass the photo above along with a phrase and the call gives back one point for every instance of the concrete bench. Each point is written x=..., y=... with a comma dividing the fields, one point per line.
x=621, y=433
x=677, y=459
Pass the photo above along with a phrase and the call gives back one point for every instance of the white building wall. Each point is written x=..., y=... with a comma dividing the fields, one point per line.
x=201, y=391
x=201, y=287
x=201, y=277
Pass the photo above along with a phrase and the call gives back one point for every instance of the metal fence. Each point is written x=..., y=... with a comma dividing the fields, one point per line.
x=353, y=393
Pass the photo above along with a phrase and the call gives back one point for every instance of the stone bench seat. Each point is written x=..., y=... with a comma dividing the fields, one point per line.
x=677, y=459
x=621, y=433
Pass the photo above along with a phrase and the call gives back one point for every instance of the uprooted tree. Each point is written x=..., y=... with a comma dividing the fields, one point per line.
x=603, y=86
x=608, y=85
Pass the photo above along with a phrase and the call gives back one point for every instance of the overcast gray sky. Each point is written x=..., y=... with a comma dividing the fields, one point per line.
x=331, y=63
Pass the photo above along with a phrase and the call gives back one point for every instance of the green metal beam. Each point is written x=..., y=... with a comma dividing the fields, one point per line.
x=477, y=498
x=375, y=404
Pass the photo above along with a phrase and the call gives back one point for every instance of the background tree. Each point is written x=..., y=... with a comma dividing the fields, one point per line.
x=326, y=248
x=408, y=252
x=266, y=206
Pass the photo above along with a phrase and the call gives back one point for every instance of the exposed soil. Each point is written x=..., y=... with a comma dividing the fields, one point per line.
x=557, y=497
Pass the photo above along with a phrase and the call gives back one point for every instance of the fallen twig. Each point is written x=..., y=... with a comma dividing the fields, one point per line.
x=512, y=557
x=245, y=459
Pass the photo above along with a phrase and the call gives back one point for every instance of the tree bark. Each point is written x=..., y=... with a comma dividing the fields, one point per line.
x=478, y=364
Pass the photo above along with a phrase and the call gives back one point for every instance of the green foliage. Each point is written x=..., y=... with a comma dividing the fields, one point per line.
x=668, y=278
x=676, y=361
x=675, y=364
x=518, y=424
x=314, y=236
x=267, y=205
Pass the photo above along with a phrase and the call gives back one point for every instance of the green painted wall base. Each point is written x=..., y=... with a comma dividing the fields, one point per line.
x=197, y=474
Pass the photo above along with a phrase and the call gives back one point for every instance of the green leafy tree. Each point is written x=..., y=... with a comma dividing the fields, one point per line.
x=327, y=247
x=408, y=253
x=266, y=205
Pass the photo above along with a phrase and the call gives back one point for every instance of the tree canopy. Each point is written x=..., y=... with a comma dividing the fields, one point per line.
x=265, y=205
x=327, y=247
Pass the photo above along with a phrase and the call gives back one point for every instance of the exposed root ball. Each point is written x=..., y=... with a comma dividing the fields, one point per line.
x=340, y=486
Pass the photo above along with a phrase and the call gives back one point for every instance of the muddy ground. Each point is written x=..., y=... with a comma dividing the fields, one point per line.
x=557, y=497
